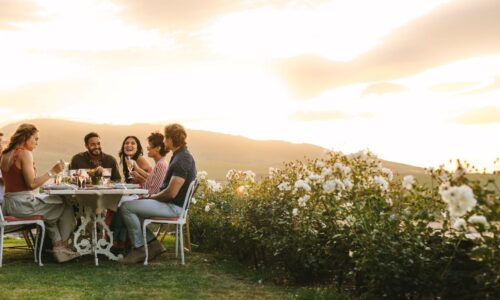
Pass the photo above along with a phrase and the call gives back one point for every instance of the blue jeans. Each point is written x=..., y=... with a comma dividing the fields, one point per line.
x=133, y=212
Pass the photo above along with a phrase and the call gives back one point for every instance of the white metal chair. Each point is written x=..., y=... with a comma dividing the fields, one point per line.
x=179, y=222
x=14, y=221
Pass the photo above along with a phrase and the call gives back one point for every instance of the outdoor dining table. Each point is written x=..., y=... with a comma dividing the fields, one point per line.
x=92, y=201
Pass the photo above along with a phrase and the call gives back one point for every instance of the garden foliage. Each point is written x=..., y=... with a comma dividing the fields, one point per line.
x=346, y=220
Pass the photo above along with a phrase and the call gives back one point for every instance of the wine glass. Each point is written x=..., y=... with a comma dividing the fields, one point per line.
x=58, y=179
x=130, y=166
x=82, y=179
x=106, y=176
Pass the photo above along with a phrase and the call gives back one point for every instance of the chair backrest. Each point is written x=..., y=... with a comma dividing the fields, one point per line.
x=189, y=195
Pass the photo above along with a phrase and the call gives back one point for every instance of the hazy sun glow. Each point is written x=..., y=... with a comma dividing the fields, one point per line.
x=100, y=61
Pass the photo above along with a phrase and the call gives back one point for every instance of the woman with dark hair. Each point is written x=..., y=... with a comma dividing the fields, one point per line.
x=132, y=149
x=131, y=154
x=151, y=181
x=21, y=198
x=157, y=151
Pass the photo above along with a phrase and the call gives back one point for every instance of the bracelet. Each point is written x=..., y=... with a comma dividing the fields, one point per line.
x=50, y=174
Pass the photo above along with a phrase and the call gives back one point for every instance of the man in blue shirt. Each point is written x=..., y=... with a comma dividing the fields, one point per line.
x=167, y=203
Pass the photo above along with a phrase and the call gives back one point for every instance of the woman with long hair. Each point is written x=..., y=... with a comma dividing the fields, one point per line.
x=131, y=154
x=21, y=197
x=132, y=150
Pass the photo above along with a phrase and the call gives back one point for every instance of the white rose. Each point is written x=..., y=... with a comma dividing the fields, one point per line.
x=408, y=182
x=475, y=219
x=284, y=186
x=301, y=184
x=459, y=224
x=460, y=200
x=329, y=186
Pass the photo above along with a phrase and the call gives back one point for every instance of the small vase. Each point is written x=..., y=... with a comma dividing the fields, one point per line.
x=96, y=180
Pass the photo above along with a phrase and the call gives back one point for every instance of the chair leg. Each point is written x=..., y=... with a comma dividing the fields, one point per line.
x=27, y=238
x=164, y=234
x=188, y=235
x=1, y=244
x=182, y=245
x=36, y=243
x=176, y=240
x=144, y=227
x=42, y=227
x=158, y=232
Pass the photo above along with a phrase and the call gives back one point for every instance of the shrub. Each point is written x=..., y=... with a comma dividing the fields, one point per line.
x=346, y=220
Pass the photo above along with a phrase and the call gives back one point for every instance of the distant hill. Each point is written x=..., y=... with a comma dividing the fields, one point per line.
x=215, y=153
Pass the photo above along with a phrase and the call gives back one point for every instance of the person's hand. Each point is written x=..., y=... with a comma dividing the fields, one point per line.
x=58, y=167
x=141, y=197
x=134, y=174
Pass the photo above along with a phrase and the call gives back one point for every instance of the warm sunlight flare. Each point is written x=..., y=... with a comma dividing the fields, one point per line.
x=417, y=82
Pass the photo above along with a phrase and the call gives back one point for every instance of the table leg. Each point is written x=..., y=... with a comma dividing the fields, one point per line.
x=103, y=245
x=94, y=242
x=82, y=243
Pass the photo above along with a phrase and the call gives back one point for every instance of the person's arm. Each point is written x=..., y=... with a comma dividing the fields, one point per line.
x=26, y=160
x=144, y=165
x=141, y=170
x=155, y=180
x=138, y=177
x=173, y=188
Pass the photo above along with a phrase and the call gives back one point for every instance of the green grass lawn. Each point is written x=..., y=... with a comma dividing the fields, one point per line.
x=204, y=276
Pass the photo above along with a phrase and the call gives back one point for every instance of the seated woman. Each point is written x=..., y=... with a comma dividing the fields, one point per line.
x=21, y=198
x=131, y=150
x=157, y=151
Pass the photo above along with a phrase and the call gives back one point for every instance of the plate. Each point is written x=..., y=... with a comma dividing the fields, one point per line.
x=62, y=186
x=126, y=186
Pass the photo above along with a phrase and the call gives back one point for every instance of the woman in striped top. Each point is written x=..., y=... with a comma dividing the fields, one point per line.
x=152, y=181
x=157, y=151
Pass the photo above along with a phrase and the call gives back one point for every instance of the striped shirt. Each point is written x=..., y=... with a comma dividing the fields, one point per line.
x=155, y=179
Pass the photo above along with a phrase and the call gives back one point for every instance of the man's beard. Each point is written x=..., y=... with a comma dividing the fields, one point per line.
x=96, y=152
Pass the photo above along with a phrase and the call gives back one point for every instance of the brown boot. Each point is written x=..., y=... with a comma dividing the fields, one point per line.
x=155, y=248
x=135, y=256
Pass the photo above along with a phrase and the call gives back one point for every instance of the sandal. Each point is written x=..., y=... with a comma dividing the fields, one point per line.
x=62, y=254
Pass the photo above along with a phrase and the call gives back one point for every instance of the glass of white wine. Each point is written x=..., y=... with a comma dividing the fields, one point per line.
x=106, y=176
x=130, y=166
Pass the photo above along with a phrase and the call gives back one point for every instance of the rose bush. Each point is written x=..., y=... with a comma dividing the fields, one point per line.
x=347, y=220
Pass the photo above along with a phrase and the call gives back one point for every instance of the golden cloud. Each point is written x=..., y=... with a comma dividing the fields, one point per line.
x=175, y=15
x=494, y=86
x=41, y=97
x=13, y=11
x=384, y=88
x=452, y=32
x=453, y=86
x=485, y=115
x=319, y=116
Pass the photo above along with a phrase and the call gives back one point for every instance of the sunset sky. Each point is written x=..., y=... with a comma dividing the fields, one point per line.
x=415, y=81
